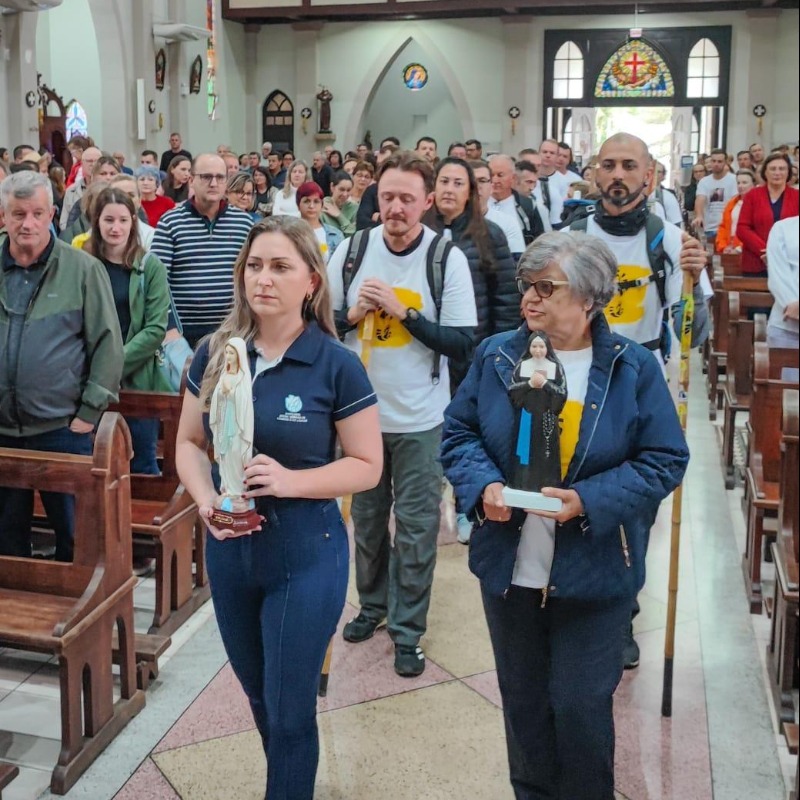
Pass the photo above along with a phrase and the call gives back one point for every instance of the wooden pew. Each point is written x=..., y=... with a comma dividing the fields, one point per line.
x=738, y=383
x=762, y=476
x=165, y=518
x=72, y=610
x=7, y=774
x=716, y=361
x=782, y=647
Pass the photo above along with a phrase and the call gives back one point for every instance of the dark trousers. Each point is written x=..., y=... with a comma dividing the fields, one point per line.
x=144, y=440
x=558, y=668
x=278, y=595
x=194, y=333
x=395, y=581
x=16, y=505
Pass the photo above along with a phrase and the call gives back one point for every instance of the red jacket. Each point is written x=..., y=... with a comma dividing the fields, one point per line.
x=756, y=221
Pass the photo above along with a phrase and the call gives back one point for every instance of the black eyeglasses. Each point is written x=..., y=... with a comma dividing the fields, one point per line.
x=544, y=287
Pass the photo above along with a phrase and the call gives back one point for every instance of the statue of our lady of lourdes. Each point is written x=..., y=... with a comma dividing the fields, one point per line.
x=232, y=423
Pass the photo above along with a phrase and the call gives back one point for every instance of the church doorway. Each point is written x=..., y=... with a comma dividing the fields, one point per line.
x=652, y=124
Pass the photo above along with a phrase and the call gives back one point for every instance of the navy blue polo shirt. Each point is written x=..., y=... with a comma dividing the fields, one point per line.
x=297, y=402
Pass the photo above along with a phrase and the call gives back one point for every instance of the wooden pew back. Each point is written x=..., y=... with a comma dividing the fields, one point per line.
x=766, y=406
x=741, y=335
x=788, y=513
x=101, y=486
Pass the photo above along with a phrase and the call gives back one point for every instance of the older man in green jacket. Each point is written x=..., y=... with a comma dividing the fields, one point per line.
x=61, y=352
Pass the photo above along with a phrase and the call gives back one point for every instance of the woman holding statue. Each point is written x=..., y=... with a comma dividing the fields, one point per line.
x=557, y=585
x=272, y=390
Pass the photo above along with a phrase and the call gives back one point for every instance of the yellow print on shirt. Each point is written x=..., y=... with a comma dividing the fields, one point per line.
x=569, y=422
x=389, y=331
x=628, y=307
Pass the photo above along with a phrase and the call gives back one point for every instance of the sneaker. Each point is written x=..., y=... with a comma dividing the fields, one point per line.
x=409, y=660
x=630, y=650
x=361, y=628
x=464, y=528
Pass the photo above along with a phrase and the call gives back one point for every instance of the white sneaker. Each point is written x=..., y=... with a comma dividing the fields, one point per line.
x=464, y=528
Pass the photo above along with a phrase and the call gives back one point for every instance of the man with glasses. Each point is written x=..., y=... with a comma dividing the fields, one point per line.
x=198, y=242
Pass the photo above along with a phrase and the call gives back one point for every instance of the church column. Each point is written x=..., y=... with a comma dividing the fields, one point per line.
x=519, y=77
x=144, y=55
x=306, y=86
x=252, y=118
x=760, y=70
x=19, y=39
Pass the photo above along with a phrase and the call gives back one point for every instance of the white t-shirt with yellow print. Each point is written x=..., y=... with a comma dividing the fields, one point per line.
x=637, y=312
x=399, y=365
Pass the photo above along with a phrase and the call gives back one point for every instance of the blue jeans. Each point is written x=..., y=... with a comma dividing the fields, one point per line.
x=558, y=668
x=144, y=439
x=16, y=505
x=278, y=595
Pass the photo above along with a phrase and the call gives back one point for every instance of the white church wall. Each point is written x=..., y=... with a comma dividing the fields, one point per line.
x=786, y=78
x=5, y=57
x=68, y=58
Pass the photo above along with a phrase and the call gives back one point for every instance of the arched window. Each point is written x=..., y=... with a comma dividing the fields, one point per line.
x=568, y=72
x=703, y=70
x=277, y=116
x=76, y=122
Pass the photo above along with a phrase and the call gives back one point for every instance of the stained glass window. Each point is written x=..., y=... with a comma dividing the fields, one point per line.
x=703, y=70
x=568, y=72
x=635, y=70
x=211, y=59
x=76, y=122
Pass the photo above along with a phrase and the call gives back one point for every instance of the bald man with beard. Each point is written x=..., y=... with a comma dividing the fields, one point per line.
x=623, y=175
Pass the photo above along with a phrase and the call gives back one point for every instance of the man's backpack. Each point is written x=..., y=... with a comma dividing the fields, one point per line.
x=436, y=263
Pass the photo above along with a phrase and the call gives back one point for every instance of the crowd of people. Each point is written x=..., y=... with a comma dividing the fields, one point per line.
x=434, y=272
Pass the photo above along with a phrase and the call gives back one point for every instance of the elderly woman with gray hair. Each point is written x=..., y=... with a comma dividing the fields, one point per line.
x=557, y=586
x=155, y=205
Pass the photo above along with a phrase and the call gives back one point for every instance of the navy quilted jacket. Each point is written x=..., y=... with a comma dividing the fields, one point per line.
x=631, y=454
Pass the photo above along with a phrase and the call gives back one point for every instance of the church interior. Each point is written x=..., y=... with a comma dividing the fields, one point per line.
x=723, y=74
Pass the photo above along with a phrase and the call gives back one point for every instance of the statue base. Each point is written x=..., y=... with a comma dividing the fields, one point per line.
x=536, y=501
x=328, y=137
x=242, y=515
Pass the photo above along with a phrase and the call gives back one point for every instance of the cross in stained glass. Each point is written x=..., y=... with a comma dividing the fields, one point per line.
x=634, y=63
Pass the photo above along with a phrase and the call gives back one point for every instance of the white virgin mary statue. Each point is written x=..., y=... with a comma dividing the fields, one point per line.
x=231, y=421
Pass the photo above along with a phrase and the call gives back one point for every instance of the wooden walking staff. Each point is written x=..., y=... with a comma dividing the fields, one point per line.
x=677, y=497
x=367, y=335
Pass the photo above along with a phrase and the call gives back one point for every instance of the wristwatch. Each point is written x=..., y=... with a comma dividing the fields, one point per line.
x=412, y=314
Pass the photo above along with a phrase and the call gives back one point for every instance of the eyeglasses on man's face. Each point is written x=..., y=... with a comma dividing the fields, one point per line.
x=544, y=287
x=208, y=178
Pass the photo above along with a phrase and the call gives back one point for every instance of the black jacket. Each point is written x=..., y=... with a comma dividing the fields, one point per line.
x=367, y=207
x=323, y=178
x=496, y=297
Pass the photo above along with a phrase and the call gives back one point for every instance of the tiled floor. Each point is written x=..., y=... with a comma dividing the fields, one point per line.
x=440, y=737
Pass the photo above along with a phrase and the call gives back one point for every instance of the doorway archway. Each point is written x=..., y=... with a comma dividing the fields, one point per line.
x=277, y=122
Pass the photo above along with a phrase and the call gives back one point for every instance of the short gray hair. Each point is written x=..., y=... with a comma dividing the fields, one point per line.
x=23, y=186
x=586, y=261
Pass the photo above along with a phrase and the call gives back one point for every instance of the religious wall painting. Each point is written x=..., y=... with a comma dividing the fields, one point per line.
x=161, y=69
x=635, y=70
x=415, y=76
x=195, y=76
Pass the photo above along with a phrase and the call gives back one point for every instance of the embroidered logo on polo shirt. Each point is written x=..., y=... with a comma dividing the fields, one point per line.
x=294, y=405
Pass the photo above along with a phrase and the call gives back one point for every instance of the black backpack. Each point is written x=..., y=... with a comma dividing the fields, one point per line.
x=436, y=263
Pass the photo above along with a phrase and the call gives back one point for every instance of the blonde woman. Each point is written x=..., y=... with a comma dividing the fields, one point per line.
x=279, y=590
x=286, y=201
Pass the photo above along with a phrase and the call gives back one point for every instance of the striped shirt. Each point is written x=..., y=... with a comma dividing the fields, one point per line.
x=199, y=255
